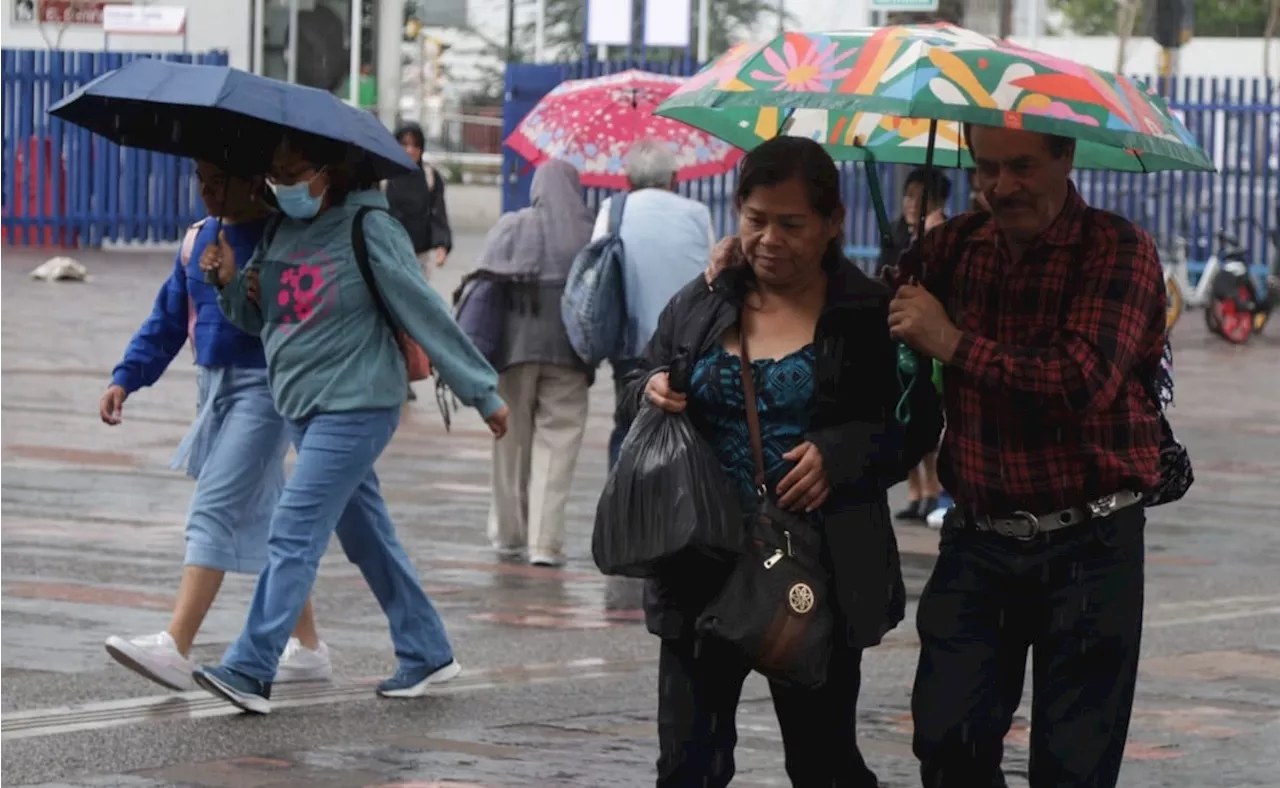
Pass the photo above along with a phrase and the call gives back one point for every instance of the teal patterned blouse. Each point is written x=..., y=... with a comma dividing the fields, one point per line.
x=784, y=398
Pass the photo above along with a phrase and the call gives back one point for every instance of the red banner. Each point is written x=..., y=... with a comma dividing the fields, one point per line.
x=60, y=12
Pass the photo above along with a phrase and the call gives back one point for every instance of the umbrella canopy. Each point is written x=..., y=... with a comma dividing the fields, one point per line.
x=221, y=114
x=593, y=123
x=863, y=84
x=847, y=136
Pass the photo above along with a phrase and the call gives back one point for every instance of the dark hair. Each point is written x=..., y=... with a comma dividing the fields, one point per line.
x=348, y=167
x=414, y=132
x=248, y=174
x=1059, y=145
x=785, y=158
x=935, y=183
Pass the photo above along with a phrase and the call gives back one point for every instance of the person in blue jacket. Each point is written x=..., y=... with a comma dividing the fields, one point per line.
x=235, y=448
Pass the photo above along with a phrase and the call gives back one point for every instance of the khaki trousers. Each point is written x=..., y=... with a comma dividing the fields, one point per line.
x=533, y=465
x=427, y=260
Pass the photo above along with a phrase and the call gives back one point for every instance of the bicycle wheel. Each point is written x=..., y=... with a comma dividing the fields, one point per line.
x=1173, y=302
x=1228, y=317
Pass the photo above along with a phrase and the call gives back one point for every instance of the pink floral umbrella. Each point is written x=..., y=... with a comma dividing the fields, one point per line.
x=592, y=124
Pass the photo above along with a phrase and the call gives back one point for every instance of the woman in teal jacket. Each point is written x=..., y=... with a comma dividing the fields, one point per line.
x=338, y=378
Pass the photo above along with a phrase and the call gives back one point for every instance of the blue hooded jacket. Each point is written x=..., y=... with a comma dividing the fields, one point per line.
x=187, y=307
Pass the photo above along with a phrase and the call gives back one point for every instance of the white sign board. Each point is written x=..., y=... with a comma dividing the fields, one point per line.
x=440, y=13
x=666, y=23
x=150, y=20
x=914, y=6
x=609, y=22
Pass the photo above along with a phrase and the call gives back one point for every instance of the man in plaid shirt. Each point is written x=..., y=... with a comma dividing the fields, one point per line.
x=1049, y=317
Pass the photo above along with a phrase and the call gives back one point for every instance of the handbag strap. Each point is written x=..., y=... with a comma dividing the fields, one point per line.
x=749, y=404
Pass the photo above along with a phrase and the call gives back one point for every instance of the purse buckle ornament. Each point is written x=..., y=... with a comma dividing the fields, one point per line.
x=801, y=598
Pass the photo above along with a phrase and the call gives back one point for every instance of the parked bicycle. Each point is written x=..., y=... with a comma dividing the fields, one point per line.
x=1241, y=305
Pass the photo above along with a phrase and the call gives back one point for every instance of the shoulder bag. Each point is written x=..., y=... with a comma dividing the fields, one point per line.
x=775, y=609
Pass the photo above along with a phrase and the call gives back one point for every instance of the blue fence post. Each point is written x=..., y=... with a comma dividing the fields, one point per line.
x=8, y=79
x=26, y=122
x=1270, y=222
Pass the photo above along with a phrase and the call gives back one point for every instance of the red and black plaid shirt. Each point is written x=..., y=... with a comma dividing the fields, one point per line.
x=1046, y=398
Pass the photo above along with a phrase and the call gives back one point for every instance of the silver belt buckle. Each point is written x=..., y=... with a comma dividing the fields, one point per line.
x=1103, y=507
x=1006, y=529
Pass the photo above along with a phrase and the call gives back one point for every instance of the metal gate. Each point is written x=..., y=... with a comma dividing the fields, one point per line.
x=65, y=187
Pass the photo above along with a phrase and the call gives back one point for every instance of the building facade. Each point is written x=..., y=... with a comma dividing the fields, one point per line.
x=254, y=33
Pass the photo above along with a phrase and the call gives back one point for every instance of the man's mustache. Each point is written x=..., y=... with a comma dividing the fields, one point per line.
x=1012, y=201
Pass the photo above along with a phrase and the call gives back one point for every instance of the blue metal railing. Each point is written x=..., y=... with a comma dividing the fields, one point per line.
x=62, y=186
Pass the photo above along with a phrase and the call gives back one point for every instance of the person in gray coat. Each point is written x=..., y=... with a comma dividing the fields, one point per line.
x=540, y=377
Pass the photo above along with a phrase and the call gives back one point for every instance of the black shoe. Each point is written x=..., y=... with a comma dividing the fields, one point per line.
x=911, y=511
x=413, y=395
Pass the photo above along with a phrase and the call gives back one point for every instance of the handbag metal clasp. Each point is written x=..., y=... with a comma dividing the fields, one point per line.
x=772, y=560
x=787, y=536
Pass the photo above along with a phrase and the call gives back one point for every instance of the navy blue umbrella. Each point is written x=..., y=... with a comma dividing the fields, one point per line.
x=222, y=115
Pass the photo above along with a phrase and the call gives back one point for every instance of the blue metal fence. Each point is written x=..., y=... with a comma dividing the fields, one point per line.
x=1236, y=120
x=62, y=186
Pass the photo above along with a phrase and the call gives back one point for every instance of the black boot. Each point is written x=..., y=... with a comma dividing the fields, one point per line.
x=911, y=511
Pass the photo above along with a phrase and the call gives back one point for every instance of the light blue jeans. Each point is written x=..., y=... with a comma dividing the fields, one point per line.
x=235, y=451
x=333, y=486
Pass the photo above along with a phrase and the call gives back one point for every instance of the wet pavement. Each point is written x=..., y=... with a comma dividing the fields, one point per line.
x=559, y=681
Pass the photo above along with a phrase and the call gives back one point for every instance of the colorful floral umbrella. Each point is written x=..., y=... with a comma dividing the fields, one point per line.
x=873, y=92
x=847, y=136
x=592, y=124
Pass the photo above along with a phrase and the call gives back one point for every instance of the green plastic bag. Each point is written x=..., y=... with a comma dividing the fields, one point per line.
x=937, y=375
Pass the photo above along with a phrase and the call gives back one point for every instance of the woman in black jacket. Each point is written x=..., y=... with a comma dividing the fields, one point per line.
x=417, y=200
x=827, y=388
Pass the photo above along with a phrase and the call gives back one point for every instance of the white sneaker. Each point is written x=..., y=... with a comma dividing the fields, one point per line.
x=154, y=657
x=299, y=663
x=547, y=560
x=934, y=519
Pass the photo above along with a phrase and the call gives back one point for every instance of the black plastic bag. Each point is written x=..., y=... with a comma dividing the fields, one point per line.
x=666, y=499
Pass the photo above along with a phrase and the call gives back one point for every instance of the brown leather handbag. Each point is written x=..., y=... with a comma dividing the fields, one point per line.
x=774, y=610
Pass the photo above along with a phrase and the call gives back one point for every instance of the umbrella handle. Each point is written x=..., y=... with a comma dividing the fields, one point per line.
x=877, y=202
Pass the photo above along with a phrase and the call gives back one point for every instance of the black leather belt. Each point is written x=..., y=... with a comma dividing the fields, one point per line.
x=1026, y=526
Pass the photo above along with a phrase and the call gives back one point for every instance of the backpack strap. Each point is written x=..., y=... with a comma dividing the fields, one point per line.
x=189, y=241
x=361, y=249
x=940, y=285
x=617, y=204
x=1156, y=374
